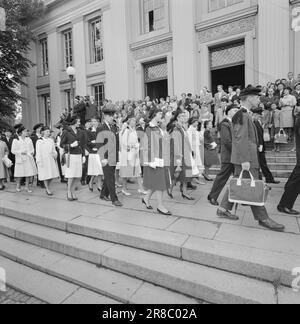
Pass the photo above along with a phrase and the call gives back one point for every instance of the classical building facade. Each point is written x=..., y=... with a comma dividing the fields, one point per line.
x=127, y=49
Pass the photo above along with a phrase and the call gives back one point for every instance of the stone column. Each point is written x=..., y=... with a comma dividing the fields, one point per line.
x=205, y=77
x=54, y=73
x=183, y=27
x=170, y=75
x=118, y=67
x=273, y=40
x=80, y=60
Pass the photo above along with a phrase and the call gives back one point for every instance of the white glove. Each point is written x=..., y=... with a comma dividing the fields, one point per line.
x=75, y=144
x=83, y=159
x=261, y=148
x=152, y=165
x=104, y=162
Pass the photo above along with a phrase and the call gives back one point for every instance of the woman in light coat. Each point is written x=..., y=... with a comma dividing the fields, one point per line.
x=130, y=165
x=287, y=104
x=25, y=166
x=46, y=156
x=3, y=170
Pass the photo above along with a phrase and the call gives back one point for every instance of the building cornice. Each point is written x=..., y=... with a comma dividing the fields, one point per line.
x=235, y=16
x=151, y=41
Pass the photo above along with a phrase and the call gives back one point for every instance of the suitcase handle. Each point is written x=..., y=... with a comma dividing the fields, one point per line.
x=239, y=182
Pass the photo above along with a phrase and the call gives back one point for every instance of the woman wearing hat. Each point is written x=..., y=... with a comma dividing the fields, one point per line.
x=130, y=166
x=72, y=141
x=155, y=178
x=23, y=150
x=46, y=156
x=287, y=104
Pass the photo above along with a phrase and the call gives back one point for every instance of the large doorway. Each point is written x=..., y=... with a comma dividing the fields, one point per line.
x=231, y=76
x=156, y=79
x=228, y=65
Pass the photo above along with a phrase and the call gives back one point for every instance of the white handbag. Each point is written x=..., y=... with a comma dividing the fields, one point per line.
x=7, y=162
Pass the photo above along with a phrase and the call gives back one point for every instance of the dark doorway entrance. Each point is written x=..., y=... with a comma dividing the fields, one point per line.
x=157, y=89
x=230, y=76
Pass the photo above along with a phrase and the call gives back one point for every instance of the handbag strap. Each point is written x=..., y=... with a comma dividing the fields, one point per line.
x=239, y=182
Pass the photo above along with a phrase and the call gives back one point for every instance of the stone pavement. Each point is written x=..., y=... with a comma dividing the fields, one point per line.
x=12, y=296
x=136, y=242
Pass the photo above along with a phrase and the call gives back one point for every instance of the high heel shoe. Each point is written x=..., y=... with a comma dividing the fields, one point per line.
x=50, y=194
x=70, y=199
x=165, y=214
x=148, y=207
x=187, y=197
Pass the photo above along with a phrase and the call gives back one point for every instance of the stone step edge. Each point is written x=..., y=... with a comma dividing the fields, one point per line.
x=198, y=257
x=216, y=295
x=53, y=273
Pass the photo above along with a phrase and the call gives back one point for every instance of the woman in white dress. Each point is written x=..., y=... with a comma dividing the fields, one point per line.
x=287, y=104
x=46, y=156
x=3, y=170
x=130, y=165
x=95, y=170
x=25, y=166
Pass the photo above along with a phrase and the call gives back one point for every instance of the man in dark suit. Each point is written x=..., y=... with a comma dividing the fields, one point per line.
x=245, y=156
x=36, y=136
x=292, y=188
x=227, y=168
x=108, y=143
x=257, y=116
x=296, y=93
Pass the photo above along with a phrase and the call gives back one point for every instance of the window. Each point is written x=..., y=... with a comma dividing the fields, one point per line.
x=97, y=40
x=44, y=56
x=68, y=48
x=98, y=91
x=47, y=109
x=221, y=4
x=153, y=15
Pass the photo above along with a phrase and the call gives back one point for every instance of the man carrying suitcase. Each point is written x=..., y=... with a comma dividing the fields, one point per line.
x=245, y=156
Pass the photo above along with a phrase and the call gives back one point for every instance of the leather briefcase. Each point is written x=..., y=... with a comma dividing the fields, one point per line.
x=248, y=191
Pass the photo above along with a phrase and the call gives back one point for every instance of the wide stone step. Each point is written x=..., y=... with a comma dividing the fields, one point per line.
x=114, y=286
x=200, y=282
x=282, y=166
x=48, y=288
x=284, y=160
x=249, y=261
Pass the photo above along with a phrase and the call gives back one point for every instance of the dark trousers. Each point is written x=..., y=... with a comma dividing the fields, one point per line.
x=292, y=190
x=59, y=164
x=85, y=169
x=259, y=213
x=109, y=184
x=227, y=170
x=264, y=167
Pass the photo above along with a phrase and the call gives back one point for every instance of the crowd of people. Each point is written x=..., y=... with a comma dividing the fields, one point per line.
x=159, y=144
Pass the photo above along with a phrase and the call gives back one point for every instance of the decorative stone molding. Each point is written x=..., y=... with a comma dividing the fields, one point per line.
x=229, y=29
x=152, y=50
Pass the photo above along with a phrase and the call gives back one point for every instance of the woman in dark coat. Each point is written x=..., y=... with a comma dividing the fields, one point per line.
x=155, y=179
x=73, y=142
x=181, y=154
x=210, y=150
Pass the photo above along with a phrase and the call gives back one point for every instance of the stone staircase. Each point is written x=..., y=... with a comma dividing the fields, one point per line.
x=281, y=164
x=101, y=260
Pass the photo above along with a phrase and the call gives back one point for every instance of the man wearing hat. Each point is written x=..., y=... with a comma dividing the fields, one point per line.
x=108, y=143
x=292, y=188
x=245, y=156
x=227, y=168
x=257, y=120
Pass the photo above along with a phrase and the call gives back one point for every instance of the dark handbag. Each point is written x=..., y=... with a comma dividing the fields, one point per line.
x=65, y=158
x=211, y=157
x=248, y=191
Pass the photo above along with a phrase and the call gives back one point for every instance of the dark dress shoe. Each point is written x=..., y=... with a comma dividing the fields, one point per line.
x=271, y=225
x=105, y=199
x=213, y=201
x=227, y=215
x=117, y=203
x=83, y=183
x=288, y=211
x=64, y=181
x=2, y=188
x=190, y=186
x=165, y=214
x=188, y=197
x=273, y=182
x=207, y=178
x=148, y=207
